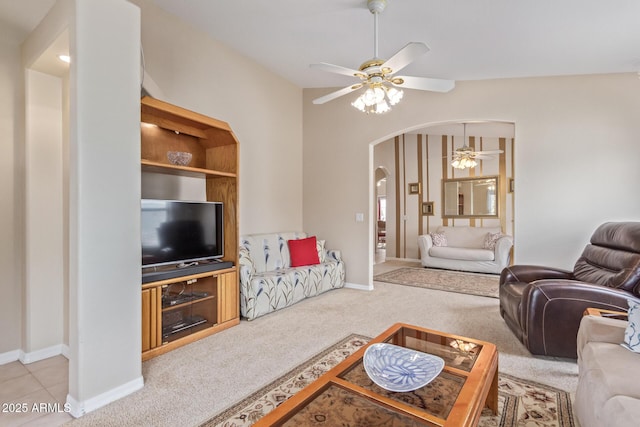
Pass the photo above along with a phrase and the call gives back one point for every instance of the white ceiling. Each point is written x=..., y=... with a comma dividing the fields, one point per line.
x=469, y=39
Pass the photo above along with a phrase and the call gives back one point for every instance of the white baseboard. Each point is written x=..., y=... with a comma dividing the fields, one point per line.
x=34, y=356
x=65, y=351
x=358, y=286
x=389, y=258
x=9, y=356
x=78, y=409
x=45, y=353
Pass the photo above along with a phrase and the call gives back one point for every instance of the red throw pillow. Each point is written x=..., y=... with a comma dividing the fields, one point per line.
x=303, y=252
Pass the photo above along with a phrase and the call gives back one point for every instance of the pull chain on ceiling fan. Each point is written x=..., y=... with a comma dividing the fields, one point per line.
x=377, y=74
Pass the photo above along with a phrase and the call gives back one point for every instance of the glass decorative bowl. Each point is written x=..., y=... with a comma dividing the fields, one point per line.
x=179, y=158
x=400, y=369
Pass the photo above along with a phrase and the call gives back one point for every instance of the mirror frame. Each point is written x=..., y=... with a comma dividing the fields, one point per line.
x=475, y=178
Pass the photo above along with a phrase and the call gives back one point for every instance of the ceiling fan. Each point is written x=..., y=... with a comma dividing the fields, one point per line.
x=378, y=75
x=464, y=157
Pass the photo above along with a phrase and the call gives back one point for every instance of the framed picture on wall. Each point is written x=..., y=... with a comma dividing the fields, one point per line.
x=414, y=188
x=427, y=208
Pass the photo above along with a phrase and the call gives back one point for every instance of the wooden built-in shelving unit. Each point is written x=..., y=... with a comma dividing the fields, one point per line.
x=213, y=302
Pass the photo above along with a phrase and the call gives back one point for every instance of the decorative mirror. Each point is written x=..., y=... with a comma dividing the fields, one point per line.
x=470, y=197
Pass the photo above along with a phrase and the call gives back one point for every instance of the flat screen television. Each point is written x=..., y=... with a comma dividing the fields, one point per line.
x=180, y=232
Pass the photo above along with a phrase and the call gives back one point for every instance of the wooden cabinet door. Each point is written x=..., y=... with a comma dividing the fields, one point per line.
x=228, y=297
x=151, y=318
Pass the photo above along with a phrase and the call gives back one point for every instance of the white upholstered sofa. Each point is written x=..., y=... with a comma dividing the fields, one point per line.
x=608, y=391
x=478, y=249
x=269, y=283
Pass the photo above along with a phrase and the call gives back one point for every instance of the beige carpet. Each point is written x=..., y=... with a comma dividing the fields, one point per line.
x=191, y=384
x=521, y=402
x=485, y=285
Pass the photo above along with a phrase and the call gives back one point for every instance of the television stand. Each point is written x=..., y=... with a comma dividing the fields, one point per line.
x=183, y=309
x=173, y=272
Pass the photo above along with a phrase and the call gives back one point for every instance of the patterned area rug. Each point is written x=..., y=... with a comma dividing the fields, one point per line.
x=521, y=402
x=484, y=285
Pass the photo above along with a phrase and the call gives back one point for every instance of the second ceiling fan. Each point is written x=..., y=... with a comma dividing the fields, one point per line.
x=383, y=87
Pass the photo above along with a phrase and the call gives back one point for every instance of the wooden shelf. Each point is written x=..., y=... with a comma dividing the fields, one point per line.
x=150, y=166
x=215, y=153
x=188, y=303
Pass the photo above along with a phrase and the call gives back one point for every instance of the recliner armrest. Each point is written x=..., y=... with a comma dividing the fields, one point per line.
x=531, y=273
x=552, y=311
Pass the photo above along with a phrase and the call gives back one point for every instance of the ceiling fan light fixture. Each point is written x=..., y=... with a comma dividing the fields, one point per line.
x=464, y=156
x=377, y=99
x=394, y=95
x=464, y=162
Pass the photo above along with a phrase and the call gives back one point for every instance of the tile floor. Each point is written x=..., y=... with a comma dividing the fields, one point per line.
x=40, y=387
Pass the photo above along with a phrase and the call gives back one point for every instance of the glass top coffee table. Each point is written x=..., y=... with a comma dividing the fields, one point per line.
x=347, y=396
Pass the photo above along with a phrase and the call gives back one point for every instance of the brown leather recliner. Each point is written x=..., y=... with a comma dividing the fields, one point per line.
x=543, y=305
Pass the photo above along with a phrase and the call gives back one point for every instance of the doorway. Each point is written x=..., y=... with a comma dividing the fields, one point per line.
x=380, y=215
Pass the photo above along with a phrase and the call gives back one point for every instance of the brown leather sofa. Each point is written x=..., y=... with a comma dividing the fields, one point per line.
x=543, y=306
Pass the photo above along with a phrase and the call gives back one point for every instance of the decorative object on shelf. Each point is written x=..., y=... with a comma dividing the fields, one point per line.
x=400, y=369
x=414, y=188
x=427, y=208
x=179, y=158
x=377, y=75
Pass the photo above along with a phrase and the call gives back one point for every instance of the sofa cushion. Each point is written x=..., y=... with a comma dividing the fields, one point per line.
x=322, y=253
x=303, y=251
x=466, y=237
x=270, y=251
x=604, y=378
x=612, y=258
x=462, y=253
x=490, y=240
x=439, y=239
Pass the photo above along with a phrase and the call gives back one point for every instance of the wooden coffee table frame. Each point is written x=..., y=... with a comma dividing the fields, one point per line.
x=480, y=387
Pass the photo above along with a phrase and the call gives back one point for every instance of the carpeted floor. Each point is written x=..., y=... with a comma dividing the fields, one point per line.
x=485, y=285
x=521, y=402
x=191, y=384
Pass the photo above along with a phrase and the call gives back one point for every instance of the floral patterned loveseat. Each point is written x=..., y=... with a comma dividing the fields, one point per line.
x=269, y=283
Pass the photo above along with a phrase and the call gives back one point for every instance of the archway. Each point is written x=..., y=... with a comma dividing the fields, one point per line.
x=417, y=161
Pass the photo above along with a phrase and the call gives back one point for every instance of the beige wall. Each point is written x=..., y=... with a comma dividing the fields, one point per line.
x=574, y=159
x=264, y=111
x=11, y=191
x=44, y=282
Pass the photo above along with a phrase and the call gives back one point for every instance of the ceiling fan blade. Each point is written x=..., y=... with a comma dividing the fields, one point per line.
x=489, y=152
x=337, y=69
x=405, y=56
x=337, y=94
x=424, y=83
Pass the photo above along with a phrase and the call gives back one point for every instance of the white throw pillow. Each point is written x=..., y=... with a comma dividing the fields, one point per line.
x=439, y=239
x=490, y=240
x=321, y=251
x=632, y=333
